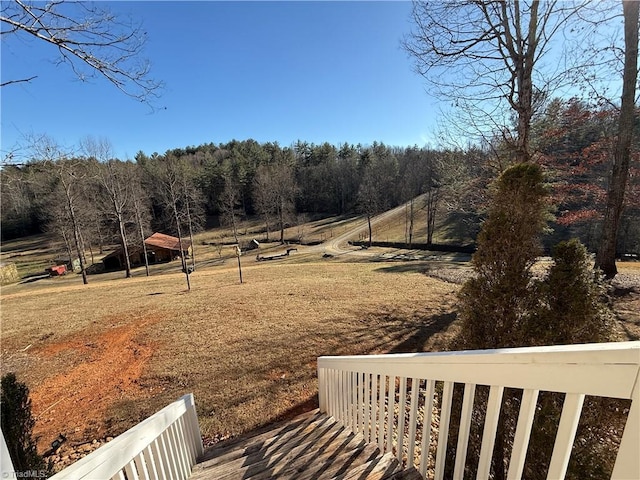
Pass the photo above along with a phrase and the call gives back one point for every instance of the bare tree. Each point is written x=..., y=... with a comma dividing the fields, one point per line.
x=168, y=172
x=606, y=256
x=140, y=203
x=285, y=188
x=264, y=197
x=70, y=174
x=485, y=57
x=192, y=199
x=90, y=39
x=229, y=204
x=114, y=180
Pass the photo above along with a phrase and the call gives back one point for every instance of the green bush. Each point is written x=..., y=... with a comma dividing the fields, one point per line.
x=572, y=306
x=497, y=301
x=504, y=305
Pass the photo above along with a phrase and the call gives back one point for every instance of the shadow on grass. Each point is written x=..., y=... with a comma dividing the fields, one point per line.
x=386, y=332
x=407, y=267
x=34, y=278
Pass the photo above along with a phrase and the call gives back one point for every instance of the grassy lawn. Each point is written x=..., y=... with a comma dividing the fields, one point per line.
x=99, y=358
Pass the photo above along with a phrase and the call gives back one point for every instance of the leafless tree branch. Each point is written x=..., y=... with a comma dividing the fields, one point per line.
x=89, y=39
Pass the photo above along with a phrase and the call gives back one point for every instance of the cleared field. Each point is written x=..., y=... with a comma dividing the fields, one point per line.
x=99, y=358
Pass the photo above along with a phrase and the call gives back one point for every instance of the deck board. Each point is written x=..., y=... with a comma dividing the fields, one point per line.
x=309, y=447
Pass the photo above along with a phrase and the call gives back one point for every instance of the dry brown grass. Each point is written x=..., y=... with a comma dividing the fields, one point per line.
x=248, y=351
x=101, y=357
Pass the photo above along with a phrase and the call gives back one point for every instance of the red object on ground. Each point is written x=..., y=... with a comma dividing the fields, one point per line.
x=57, y=270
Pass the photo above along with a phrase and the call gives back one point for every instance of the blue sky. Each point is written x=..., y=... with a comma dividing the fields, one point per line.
x=271, y=71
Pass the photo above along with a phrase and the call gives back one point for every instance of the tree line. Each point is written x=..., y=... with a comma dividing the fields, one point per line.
x=177, y=192
x=89, y=198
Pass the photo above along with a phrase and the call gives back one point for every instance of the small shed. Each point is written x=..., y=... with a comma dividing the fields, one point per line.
x=160, y=248
x=164, y=248
x=115, y=260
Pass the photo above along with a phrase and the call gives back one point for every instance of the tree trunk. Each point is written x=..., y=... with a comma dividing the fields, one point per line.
x=411, y=218
x=125, y=247
x=193, y=250
x=76, y=233
x=606, y=255
x=281, y=220
x=76, y=237
x=182, y=259
x=144, y=245
x=370, y=231
x=67, y=246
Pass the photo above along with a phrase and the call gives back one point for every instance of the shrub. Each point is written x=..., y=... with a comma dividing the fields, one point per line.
x=573, y=307
x=504, y=306
x=17, y=425
x=496, y=303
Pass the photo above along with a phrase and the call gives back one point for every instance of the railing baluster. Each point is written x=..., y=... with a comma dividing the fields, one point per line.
x=375, y=430
x=170, y=462
x=141, y=466
x=367, y=407
x=174, y=450
x=336, y=393
x=413, y=410
x=362, y=404
x=426, y=426
x=381, y=411
x=402, y=408
x=160, y=459
x=571, y=410
x=342, y=395
x=188, y=440
x=489, y=433
x=357, y=401
x=346, y=397
x=119, y=475
x=523, y=432
x=391, y=400
x=130, y=471
x=175, y=428
x=354, y=402
x=330, y=388
x=182, y=445
x=151, y=463
x=443, y=433
x=463, y=432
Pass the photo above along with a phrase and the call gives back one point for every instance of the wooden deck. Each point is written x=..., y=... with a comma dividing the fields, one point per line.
x=312, y=446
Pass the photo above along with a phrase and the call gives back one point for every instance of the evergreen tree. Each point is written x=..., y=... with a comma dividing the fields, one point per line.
x=17, y=425
x=497, y=301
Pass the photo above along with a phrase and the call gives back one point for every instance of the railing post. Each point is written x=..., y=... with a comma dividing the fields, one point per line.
x=321, y=405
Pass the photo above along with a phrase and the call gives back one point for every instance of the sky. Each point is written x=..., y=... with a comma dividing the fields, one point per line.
x=271, y=71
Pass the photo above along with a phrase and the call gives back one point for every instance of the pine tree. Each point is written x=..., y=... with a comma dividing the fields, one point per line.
x=497, y=301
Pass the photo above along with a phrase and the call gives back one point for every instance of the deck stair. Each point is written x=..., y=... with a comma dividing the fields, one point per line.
x=311, y=446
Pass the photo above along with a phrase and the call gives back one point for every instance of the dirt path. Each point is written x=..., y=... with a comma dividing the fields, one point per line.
x=338, y=245
x=106, y=370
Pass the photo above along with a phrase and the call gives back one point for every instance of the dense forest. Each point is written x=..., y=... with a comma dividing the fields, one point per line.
x=87, y=197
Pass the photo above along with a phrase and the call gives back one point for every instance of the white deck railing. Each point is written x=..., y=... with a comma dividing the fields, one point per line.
x=366, y=393
x=164, y=446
